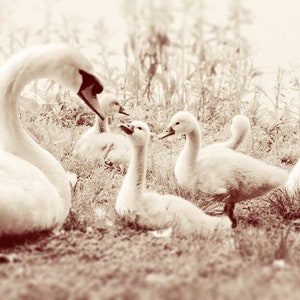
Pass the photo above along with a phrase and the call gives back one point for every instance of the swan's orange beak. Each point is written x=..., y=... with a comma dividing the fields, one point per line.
x=88, y=91
x=127, y=129
x=169, y=131
x=123, y=111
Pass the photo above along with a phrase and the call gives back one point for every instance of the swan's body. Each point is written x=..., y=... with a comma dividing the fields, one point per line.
x=240, y=128
x=221, y=171
x=155, y=211
x=98, y=142
x=34, y=188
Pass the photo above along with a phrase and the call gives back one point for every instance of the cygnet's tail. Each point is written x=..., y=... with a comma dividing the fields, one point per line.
x=292, y=185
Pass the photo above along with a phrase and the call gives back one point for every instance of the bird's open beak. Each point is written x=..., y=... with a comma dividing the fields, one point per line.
x=169, y=131
x=91, y=100
x=127, y=129
x=123, y=111
x=88, y=91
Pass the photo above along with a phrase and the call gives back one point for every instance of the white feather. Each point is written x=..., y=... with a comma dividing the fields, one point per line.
x=34, y=188
x=99, y=143
x=152, y=210
x=220, y=170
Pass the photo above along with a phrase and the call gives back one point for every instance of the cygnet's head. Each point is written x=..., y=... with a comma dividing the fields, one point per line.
x=138, y=132
x=182, y=122
x=110, y=104
x=65, y=65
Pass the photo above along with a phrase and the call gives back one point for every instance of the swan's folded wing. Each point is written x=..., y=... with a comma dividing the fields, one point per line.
x=28, y=201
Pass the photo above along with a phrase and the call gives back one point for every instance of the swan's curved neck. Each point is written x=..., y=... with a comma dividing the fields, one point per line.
x=15, y=74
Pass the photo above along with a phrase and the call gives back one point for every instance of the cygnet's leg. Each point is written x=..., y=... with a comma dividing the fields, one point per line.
x=229, y=208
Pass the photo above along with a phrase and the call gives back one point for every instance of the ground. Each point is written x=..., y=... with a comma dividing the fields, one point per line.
x=98, y=255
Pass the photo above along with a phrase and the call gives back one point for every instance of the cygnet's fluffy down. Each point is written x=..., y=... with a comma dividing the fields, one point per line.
x=152, y=210
x=225, y=172
x=99, y=143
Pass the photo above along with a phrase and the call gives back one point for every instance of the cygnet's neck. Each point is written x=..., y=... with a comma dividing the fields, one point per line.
x=137, y=168
x=234, y=142
x=192, y=145
x=237, y=138
x=134, y=182
x=100, y=126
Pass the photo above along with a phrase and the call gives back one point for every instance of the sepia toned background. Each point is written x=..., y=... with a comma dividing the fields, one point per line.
x=214, y=58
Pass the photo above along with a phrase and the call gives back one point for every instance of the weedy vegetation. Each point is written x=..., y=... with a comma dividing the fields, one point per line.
x=173, y=60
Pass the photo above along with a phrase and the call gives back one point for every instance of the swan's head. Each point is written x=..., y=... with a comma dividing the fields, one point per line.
x=138, y=132
x=110, y=104
x=65, y=65
x=89, y=88
x=81, y=78
x=182, y=122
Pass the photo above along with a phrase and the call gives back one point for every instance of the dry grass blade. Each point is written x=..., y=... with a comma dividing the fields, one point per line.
x=284, y=204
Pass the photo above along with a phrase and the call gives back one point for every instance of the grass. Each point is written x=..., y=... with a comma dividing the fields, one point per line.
x=97, y=255
x=125, y=264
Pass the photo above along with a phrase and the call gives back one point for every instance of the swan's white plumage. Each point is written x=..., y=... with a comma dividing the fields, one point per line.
x=34, y=188
x=220, y=171
x=99, y=142
x=35, y=199
x=152, y=210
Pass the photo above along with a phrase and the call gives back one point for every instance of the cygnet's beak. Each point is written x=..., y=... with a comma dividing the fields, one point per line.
x=127, y=129
x=169, y=131
x=88, y=91
x=123, y=111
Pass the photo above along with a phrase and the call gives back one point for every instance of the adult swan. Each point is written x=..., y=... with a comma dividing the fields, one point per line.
x=34, y=188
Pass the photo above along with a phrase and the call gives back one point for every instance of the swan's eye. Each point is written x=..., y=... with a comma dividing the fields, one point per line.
x=139, y=128
x=177, y=123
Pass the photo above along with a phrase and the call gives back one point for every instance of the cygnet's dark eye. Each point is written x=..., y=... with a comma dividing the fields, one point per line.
x=177, y=123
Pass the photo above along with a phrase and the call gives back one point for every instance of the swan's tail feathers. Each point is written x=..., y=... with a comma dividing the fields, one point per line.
x=292, y=185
